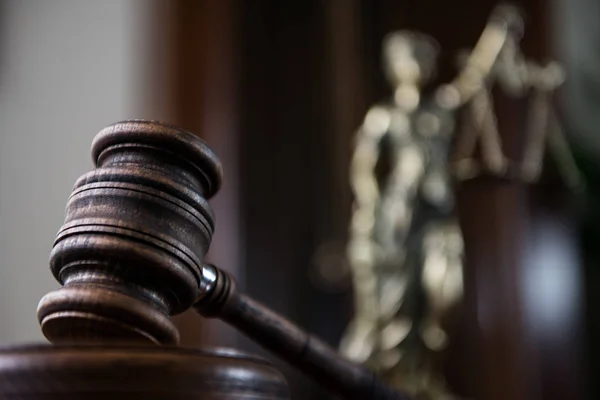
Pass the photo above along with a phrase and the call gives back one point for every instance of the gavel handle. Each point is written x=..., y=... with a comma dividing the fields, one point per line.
x=277, y=334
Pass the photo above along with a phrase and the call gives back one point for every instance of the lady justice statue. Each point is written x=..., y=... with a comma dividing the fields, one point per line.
x=405, y=248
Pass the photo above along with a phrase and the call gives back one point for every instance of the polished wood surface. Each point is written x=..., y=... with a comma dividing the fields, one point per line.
x=136, y=372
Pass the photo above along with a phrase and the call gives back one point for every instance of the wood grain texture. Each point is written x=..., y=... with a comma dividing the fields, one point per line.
x=135, y=372
x=134, y=238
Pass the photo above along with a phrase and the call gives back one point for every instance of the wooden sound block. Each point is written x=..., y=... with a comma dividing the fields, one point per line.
x=136, y=372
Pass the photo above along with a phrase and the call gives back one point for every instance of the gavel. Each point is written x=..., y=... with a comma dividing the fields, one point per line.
x=130, y=255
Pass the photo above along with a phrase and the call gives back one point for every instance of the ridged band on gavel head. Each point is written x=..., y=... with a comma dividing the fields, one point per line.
x=136, y=231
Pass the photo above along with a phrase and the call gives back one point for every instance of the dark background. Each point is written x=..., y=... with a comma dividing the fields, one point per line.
x=294, y=80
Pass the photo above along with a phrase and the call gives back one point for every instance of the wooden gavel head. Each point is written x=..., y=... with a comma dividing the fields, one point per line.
x=137, y=228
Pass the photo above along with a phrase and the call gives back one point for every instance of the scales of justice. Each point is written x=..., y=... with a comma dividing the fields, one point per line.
x=130, y=252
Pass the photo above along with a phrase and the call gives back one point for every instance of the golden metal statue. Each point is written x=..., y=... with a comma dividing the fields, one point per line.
x=405, y=248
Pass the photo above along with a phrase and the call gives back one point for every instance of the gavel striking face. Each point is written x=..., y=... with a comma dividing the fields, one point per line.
x=137, y=228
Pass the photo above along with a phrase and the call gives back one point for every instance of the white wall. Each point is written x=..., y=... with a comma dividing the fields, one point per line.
x=67, y=69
